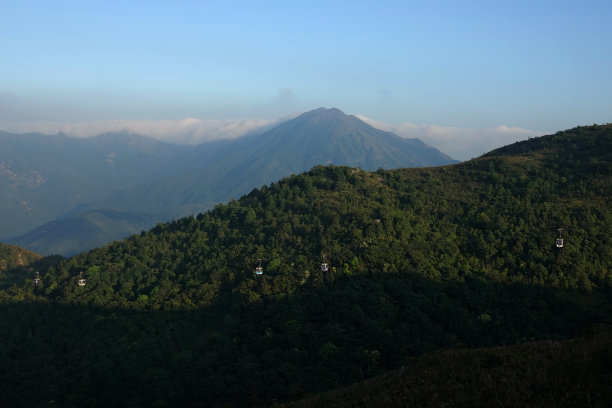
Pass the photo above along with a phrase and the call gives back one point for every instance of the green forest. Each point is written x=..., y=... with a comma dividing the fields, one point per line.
x=420, y=260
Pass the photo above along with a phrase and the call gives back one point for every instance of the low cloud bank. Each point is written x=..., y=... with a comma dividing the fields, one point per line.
x=188, y=131
x=459, y=143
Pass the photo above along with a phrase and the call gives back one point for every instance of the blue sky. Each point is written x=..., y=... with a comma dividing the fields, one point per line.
x=535, y=65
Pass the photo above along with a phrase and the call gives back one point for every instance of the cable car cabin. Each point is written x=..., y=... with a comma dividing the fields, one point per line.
x=37, y=281
x=559, y=241
x=324, y=265
x=81, y=281
x=259, y=269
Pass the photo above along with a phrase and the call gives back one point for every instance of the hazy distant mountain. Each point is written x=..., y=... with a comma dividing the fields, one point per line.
x=226, y=169
x=45, y=176
x=70, y=235
x=328, y=136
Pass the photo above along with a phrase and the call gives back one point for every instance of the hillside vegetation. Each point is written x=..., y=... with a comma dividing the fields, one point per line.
x=567, y=373
x=420, y=260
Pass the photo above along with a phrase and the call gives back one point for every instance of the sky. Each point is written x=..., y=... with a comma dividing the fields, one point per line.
x=464, y=76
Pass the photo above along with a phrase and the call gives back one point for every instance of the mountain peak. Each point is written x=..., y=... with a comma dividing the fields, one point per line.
x=322, y=110
x=323, y=114
x=328, y=135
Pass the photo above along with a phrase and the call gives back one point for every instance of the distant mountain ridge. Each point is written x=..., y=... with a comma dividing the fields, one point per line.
x=94, y=228
x=331, y=137
x=230, y=168
x=46, y=177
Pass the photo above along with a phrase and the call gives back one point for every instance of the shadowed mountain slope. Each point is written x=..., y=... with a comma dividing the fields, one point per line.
x=567, y=373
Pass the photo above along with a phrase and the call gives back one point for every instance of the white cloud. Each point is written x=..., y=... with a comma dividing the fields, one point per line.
x=189, y=131
x=459, y=143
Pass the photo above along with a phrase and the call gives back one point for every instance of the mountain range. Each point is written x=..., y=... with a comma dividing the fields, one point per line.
x=53, y=183
x=45, y=176
x=333, y=276
x=221, y=170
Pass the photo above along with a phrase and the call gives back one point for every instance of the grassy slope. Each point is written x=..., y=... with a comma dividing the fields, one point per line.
x=12, y=256
x=15, y=263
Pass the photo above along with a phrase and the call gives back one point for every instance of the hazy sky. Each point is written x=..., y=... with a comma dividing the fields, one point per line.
x=533, y=66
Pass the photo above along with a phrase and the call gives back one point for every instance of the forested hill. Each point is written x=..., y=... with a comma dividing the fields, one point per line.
x=586, y=142
x=420, y=260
